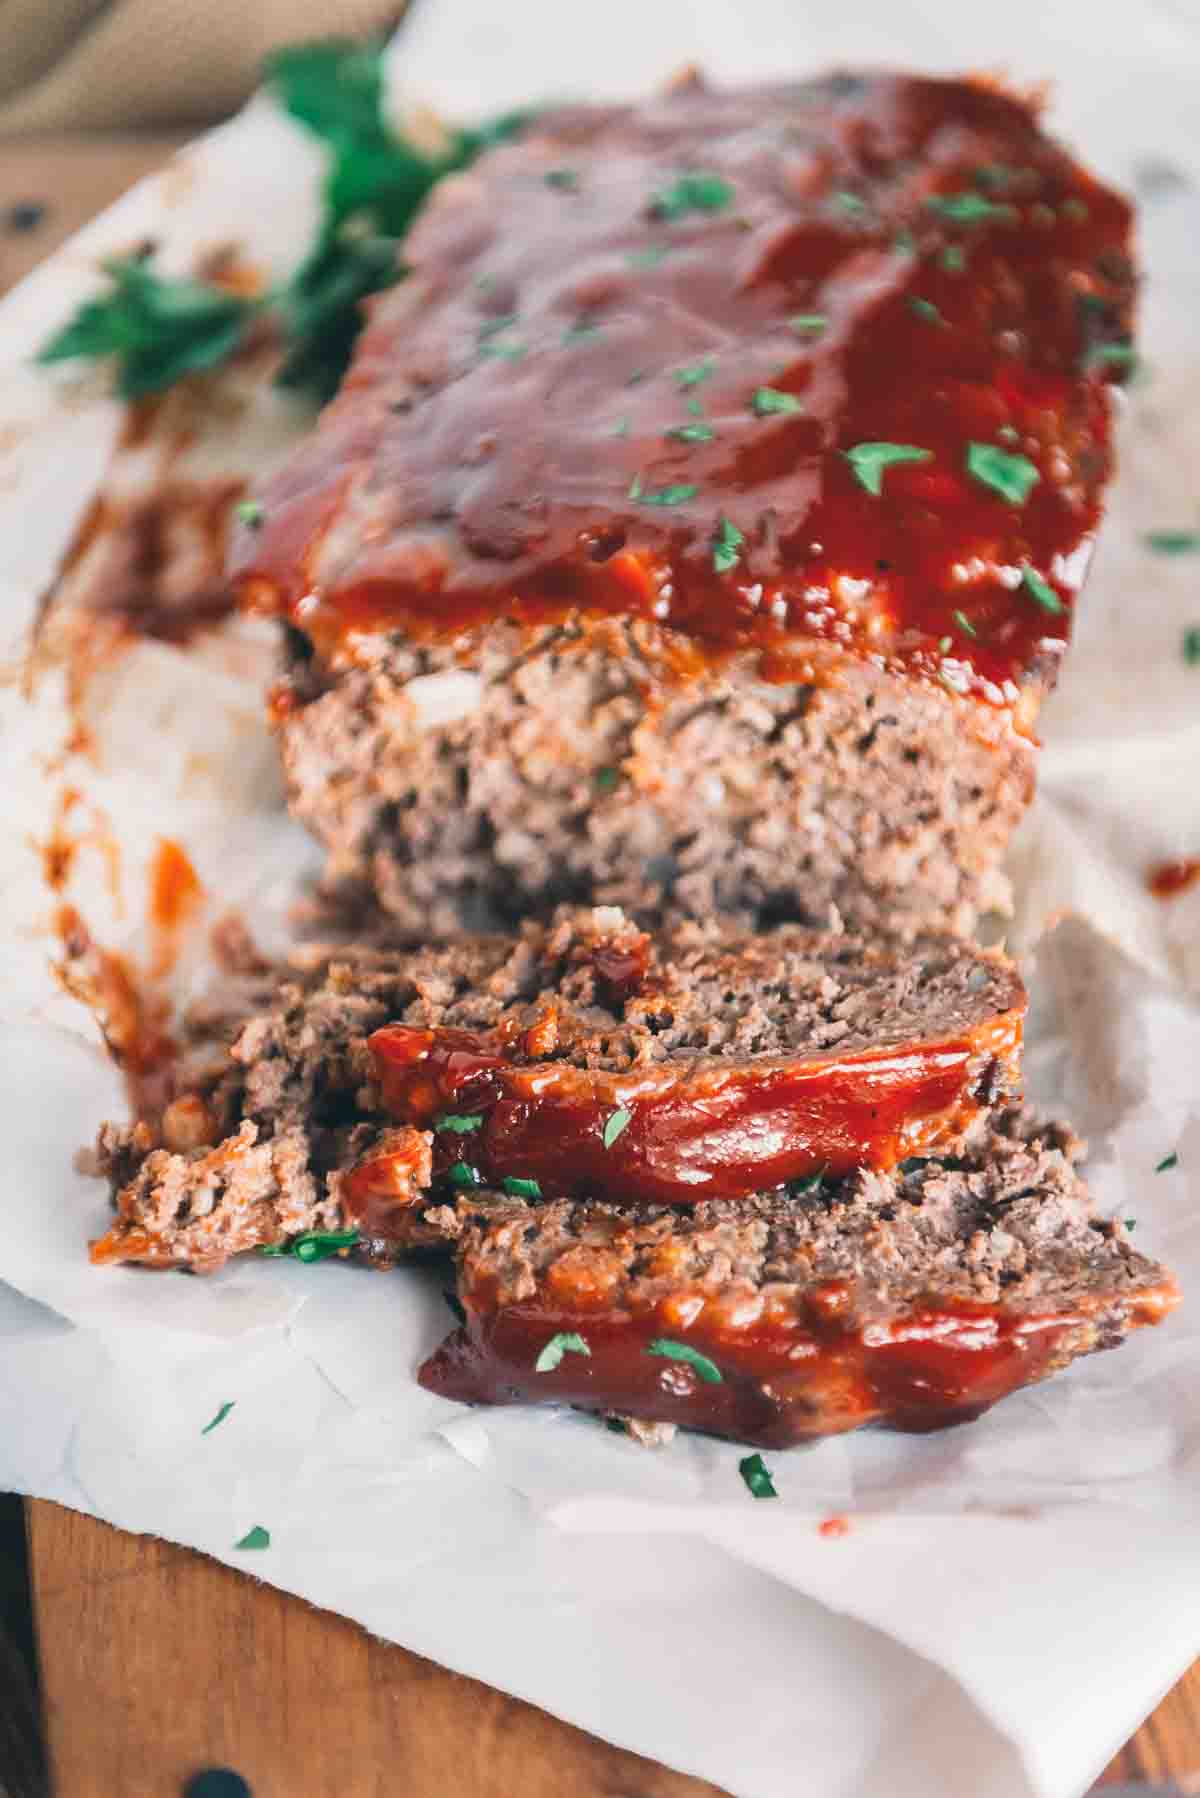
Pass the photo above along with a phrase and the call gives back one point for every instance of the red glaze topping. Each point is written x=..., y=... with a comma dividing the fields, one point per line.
x=779, y=1385
x=1169, y=879
x=677, y=1134
x=646, y=359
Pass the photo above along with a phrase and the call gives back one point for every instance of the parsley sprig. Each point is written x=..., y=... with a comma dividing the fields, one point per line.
x=157, y=328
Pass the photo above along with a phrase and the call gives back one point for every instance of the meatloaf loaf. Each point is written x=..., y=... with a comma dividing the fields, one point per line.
x=916, y=1297
x=582, y=1057
x=700, y=523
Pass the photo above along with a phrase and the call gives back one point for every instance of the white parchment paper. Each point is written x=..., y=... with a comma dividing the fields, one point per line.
x=1011, y=1598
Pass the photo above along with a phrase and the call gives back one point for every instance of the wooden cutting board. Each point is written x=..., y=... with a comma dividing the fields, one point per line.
x=157, y=1663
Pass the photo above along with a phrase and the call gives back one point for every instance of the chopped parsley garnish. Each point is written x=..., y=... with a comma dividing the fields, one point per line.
x=904, y=243
x=458, y=1123
x=925, y=309
x=802, y=1189
x=156, y=328
x=250, y=512
x=606, y=779
x=1012, y=477
x=953, y=259
x=945, y=644
x=770, y=400
x=698, y=372
x=708, y=1370
x=759, y=1483
x=994, y=175
x=314, y=1245
x=566, y=179
x=676, y=495
x=1040, y=590
x=621, y=428
x=694, y=192
x=507, y=349
x=695, y=407
x=258, y=1537
x=222, y=1413
x=851, y=204
x=964, y=624
x=1173, y=543
x=726, y=546
x=521, y=1189
x=567, y=1342
x=614, y=1124
x=969, y=208
x=1111, y=355
x=1191, y=646
x=870, y=461
x=808, y=324
x=650, y=258
x=463, y=1174
x=692, y=433
x=1167, y=1162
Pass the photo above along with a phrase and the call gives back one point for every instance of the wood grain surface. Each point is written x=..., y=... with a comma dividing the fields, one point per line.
x=156, y=1663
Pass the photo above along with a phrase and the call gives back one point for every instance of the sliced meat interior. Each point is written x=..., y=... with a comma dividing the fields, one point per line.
x=582, y=1057
x=915, y=1298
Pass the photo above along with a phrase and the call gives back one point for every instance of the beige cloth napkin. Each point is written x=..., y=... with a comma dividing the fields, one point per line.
x=110, y=65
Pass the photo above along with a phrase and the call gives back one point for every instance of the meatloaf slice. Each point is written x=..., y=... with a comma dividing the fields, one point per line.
x=915, y=1298
x=581, y=1056
x=700, y=523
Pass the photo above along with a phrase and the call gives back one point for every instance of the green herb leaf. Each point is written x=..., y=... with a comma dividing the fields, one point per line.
x=565, y=179
x=850, y=204
x=250, y=513
x=222, y=1413
x=758, y=1480
x=521, y=1189
x=808, y=324
x=969, y=208
x=925, y=309
x=1111, y=355
x=953, y=259
x=964, y=624
x=650, y=258
x=1012, y=477
x=567, y=1342
x=726, y=546
x=156, y=328
x=614, y=1124
x=606, y=779
x=694, y=192
x=904, y=243
x=811, y=1183
x=1191, y=646
x=769, y=400
x=870, y=461
x=1173, y=543
x=463, y=1174
x=676, y=495
x=692, y=433
x=695, y=407
x=459, y=1124
x=1167, y=1162
x=698, y=372
x=314, y=1245
x=321, y=307
x=258, y=1537
x=708, y=1370
x=621, y=428
x=1130, y=1223
x=1040, y=590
